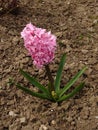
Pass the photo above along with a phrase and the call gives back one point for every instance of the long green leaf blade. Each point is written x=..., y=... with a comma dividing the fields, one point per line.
x=59, y=73
x=34, y=82
x=39, y=95
x=77, y=89
x=72, y=81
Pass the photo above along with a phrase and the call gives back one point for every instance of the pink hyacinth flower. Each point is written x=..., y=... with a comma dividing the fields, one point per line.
x=40, y=44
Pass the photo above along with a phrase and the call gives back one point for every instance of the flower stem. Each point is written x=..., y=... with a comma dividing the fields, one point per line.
x=51, y=80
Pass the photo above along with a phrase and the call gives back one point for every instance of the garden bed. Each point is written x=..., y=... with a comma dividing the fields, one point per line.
x=75, y=23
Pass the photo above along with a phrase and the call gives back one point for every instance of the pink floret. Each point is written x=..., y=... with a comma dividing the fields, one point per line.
x=40, y=44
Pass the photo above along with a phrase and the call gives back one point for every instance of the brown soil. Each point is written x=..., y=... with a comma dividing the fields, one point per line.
x=75, y=23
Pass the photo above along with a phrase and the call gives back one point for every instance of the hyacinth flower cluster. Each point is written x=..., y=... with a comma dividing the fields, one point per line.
x=41, y=46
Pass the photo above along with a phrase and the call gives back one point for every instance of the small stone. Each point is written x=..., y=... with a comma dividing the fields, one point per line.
x=96, y=117
x=53, y=122
x=11, y=113
x=84, y=51
x=73, y=123
x=43, y=127
x=68, y=2
x=79, y=118
x=51, y=110
x=23, y=120
x=95, y=21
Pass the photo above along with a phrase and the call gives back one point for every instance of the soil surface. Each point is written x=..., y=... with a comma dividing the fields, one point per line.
x=75, y=23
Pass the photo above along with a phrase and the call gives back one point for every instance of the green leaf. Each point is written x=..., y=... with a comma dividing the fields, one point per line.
x=34, y=82
x=77, y=89
x=59, y=73
x=39, y=95
x=72, y=81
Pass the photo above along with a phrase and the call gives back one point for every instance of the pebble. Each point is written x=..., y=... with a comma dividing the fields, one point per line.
x=53, y=122
x=84, y=51
x=23, y=120
x=11, y=113
x=43, y=127
x=96, y=117
x=73, y=123
x=95, y=21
